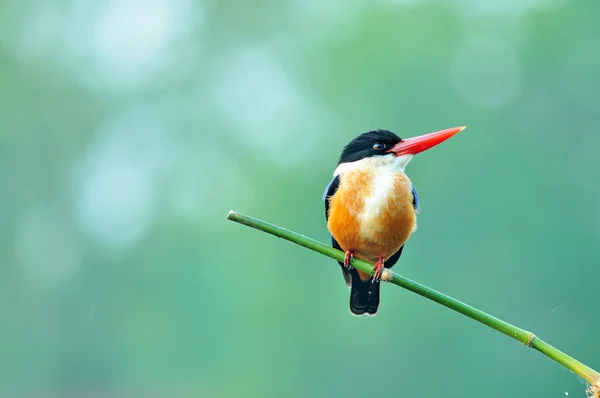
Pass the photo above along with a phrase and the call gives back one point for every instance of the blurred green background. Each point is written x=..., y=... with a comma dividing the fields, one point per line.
x=129, y=128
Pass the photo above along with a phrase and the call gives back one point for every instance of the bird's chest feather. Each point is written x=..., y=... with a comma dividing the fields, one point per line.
x=372, y=212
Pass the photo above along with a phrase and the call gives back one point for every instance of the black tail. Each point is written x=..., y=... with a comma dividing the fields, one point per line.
x=364, y=296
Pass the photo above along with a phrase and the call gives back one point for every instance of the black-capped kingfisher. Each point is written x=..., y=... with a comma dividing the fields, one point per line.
x=371, y=207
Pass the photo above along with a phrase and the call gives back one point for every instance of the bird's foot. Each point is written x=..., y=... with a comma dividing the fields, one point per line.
x=378, y=270
x=349, y=256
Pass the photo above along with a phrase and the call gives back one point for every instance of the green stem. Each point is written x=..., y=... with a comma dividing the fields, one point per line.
x=522, y=335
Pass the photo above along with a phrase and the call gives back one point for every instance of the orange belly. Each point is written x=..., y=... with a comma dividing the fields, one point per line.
x=370, y=221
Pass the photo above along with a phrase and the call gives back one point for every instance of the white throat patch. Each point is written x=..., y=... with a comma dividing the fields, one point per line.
x=389, y=162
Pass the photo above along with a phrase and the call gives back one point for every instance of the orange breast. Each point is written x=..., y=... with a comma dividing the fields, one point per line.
x=372, y=214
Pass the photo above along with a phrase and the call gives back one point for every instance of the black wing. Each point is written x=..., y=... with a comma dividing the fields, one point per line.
x=415, y=202
x=330, y=190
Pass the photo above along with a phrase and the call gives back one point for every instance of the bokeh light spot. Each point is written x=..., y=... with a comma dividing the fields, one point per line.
x=117, y=187
x=266, y=108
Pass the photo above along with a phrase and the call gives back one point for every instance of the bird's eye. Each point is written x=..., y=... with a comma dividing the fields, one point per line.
x=378, y=146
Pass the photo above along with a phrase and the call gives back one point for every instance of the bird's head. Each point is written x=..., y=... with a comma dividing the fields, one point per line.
x=384, y=148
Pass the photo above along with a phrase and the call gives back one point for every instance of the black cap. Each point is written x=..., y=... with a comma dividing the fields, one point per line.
x=372, y=143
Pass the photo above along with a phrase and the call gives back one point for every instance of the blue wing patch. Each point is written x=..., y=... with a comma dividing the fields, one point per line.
x=416, y=204
x=329, y=191
x=325, y=193
x=331, y=188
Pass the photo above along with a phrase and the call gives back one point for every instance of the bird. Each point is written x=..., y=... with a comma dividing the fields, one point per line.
x=371, y=207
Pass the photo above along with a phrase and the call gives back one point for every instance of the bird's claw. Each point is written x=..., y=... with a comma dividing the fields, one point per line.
x=349, y=256
x=378, y=271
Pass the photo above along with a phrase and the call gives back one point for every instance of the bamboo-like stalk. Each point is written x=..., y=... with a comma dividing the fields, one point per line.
x=514, y=332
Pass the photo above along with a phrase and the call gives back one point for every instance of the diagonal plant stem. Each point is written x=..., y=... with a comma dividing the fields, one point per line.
x=514, y=332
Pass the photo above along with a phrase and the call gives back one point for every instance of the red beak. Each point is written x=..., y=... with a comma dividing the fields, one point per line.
x=412, y=146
